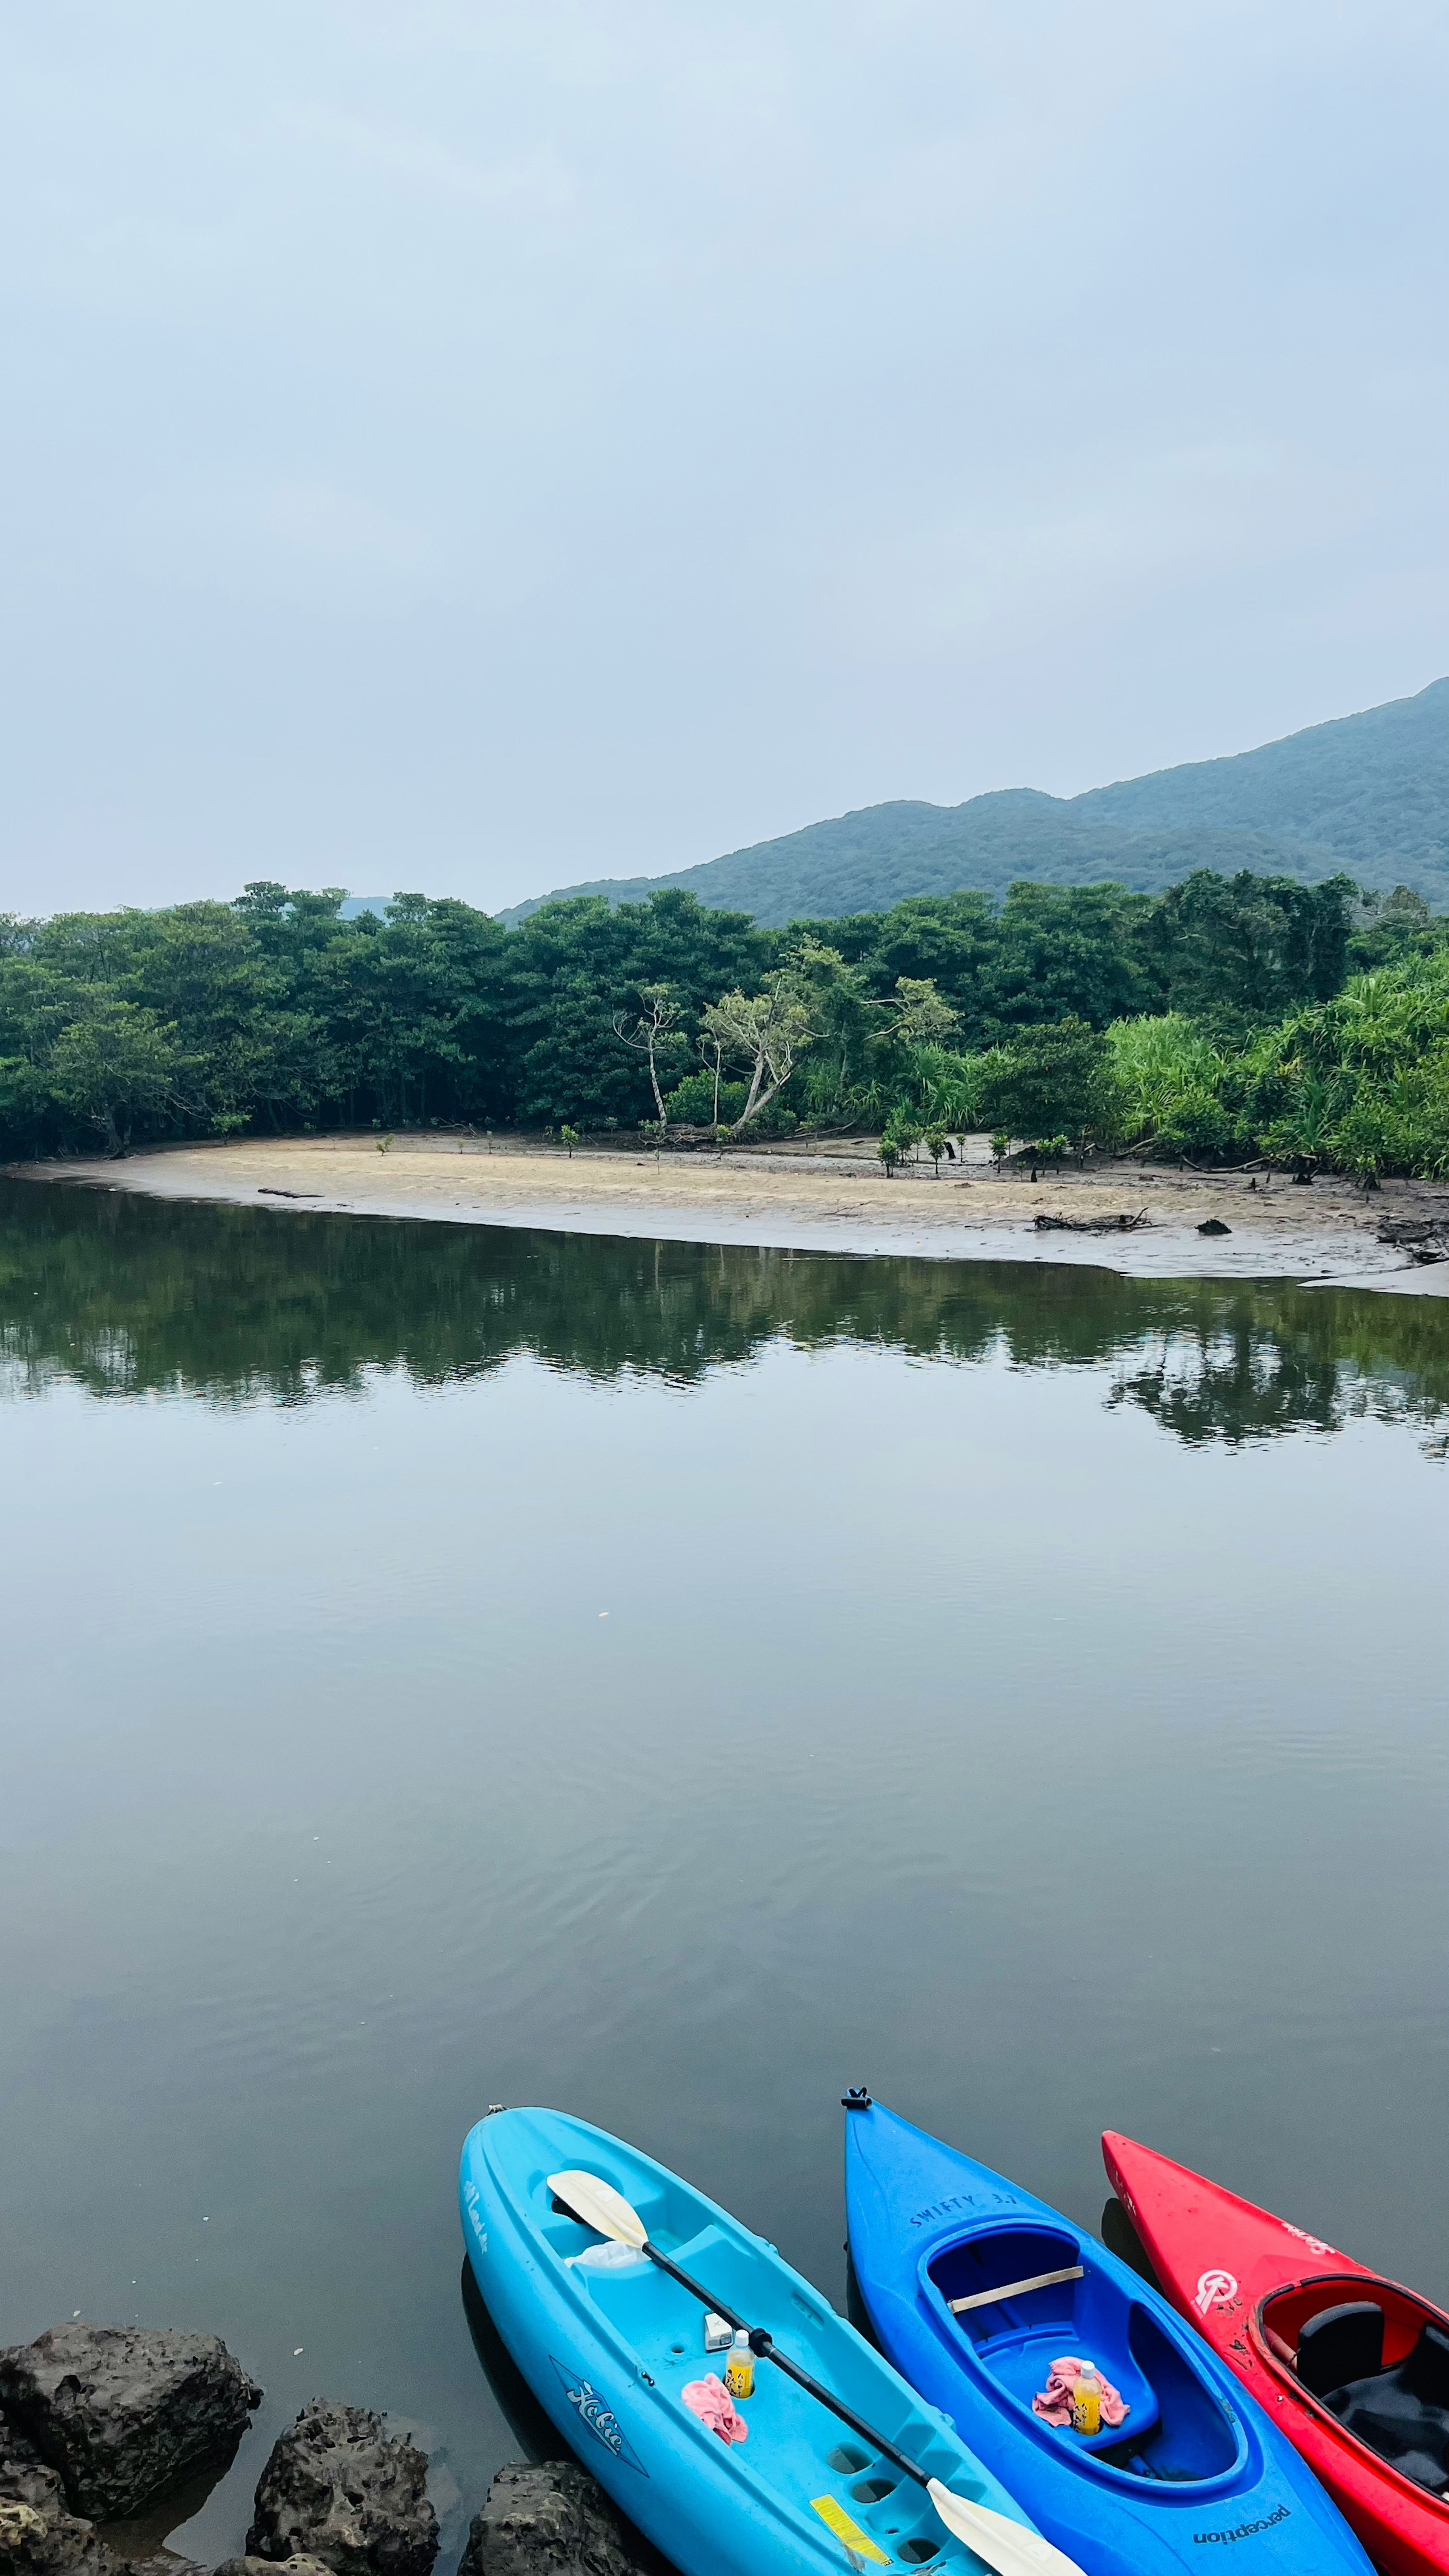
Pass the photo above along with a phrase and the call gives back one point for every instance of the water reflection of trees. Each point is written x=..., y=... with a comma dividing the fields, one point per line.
x=1226, y=1378
x=1253, y=1362
x=132, y=1296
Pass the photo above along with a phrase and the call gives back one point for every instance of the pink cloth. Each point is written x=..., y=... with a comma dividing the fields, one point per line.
x=1055, y=2400
x=711, y=2401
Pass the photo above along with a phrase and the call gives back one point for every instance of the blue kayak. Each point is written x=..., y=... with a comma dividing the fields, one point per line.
x=975, y=2288
x=607, y=2342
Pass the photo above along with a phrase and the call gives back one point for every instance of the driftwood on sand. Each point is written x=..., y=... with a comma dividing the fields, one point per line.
x=1123, y=1224
x=1424, y=1240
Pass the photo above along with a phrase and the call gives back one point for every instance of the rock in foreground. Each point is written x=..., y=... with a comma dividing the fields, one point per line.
x=37, y=2535
x=24, y=2477
x=33, y=2543
x=549, y=2520
x=124, y=2411
x=340, y=2489
x=272, y=2567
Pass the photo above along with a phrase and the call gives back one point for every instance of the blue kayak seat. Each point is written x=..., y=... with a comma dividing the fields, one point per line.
x=1020, y=2363
x=1049, y=2299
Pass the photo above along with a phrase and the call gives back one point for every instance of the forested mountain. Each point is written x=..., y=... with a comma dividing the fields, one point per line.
x=1369, y=793
x=1371, y=788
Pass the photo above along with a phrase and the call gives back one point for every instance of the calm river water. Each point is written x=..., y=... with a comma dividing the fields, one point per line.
x=446, y=1665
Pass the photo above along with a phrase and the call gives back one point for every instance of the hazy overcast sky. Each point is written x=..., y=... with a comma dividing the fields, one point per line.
x=465, y=445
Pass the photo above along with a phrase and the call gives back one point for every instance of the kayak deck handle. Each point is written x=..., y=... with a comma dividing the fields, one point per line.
x=1015, y=2289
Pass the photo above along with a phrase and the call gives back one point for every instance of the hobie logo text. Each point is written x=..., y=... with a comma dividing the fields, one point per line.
x=596, y=2412
x=470, y=2203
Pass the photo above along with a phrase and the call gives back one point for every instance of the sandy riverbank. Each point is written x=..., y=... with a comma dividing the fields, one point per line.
x=827, y=1198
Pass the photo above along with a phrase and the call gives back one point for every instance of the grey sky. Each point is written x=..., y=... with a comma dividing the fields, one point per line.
x=474, y=446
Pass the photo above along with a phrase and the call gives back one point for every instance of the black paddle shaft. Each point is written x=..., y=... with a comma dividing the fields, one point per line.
x=764, y=2347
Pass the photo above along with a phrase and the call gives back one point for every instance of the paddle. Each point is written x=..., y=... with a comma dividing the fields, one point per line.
x=1004, y=2545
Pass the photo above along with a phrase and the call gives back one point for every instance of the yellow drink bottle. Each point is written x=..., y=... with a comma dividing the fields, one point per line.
x=740, y=2368
x=1087, y=2403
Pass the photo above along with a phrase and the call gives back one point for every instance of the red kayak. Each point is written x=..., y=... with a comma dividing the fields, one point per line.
x=1354, y=2368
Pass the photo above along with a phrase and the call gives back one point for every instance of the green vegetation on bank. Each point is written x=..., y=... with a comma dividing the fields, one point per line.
x=1224, y=1018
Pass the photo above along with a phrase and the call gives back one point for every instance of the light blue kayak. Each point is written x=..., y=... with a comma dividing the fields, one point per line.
x=975, y=2288
x=608, y=2342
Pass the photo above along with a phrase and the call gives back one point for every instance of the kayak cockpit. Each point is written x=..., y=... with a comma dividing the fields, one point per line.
x=1376, y=2357
x=795, y=2451
x=1019, y=2297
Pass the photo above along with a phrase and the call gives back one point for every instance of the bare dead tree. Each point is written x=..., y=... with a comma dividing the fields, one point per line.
x=711, y=1046
x=652, y=1029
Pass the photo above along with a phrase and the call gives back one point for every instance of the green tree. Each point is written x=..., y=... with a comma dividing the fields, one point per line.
x=1052, y=1081
x=1062, y=953
x=764, y=1033
x=115, y=1067
x=1390, y=928
x=841, y=1008
x=703, y=1100
x=1233, y=950
x=914, y=1015
x=904, y=1135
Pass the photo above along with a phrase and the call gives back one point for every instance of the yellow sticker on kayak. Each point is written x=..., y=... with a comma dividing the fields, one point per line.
x=850, y=2532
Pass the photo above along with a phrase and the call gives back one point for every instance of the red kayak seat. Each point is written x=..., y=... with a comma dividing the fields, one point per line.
x=1403, y=2414
x=1341, y=2344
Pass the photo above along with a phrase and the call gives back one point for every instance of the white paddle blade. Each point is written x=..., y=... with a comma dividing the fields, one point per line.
x=1007, y=2546
x=600, y=2206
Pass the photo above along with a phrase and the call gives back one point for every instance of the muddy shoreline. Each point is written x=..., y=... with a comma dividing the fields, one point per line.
x=815, y=1196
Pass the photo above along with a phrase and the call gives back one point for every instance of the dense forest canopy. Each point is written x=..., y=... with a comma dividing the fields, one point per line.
x=1369, y=793
x=1224, y=1016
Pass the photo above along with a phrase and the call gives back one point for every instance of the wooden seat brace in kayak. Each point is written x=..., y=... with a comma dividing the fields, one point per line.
x=1014, y=2289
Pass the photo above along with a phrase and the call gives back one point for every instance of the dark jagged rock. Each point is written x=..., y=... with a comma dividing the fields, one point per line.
x=33, y=2543
x=124, y=2411
x=24, y=2477
x=550, y=2520
x=1214, y=1225
x=38, y=2537
x=338, y=2488
x=273, y=2567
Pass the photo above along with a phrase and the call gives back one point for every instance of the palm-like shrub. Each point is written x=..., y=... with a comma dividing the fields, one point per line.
x=1170, y=1083
x=1362, y=1082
